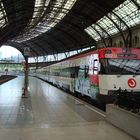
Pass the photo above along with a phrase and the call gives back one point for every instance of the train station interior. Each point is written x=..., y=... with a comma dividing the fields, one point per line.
x=76, y=73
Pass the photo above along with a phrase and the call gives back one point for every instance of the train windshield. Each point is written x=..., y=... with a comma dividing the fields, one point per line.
x=120, y=66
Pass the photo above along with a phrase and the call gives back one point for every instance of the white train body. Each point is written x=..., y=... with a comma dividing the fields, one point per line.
x=97, y=74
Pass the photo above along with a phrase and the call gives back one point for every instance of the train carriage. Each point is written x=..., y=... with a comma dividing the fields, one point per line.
x=98, y=74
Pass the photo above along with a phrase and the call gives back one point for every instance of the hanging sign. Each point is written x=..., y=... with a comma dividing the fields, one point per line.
x=26, y=51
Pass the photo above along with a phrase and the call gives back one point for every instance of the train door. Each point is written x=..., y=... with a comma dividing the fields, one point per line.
x=82, y=83
x=93, y=75
x=87, y=81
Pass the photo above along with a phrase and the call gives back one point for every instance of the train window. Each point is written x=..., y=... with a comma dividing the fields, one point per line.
x=103, y=66
x=123, y=66
x=65, y=72
x=95, y=67
x=74, y=72
x=76, y=69
x=86, y=71
x=81, y=72
x=71, y=72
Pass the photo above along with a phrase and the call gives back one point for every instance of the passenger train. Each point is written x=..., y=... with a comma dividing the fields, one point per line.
x=97, y=74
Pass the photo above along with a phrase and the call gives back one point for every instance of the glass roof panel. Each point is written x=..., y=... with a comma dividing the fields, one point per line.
x=39, y=8
x=138, y=1
x=3, y=17
x=108, y=25
x=93, y=33
x=128, y=12
x=58, y=10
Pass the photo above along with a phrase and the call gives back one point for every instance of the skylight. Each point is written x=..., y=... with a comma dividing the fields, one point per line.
x=3, y=17
x=59, y=9
x=128, y=12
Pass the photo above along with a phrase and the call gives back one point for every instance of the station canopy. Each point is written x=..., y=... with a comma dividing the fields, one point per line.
x=57, y=26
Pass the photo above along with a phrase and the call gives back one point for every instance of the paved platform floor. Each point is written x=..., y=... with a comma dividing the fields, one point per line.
x=49, y=114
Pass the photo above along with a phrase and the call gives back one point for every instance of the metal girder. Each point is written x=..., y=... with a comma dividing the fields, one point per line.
x=137, y=5
x=44, y=14
x=130, y=32
x=12, y=10
x=110, y=38
x=100, y=35
x=70, y=28
x=9, y=31
x=116, y=25
x=91, y=19
x=64, y=1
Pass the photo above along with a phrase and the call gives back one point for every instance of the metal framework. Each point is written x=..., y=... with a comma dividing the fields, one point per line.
x=123, y=17
x=50, y=27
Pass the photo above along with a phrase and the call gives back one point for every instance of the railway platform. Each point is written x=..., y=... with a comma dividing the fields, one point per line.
x=50, y=114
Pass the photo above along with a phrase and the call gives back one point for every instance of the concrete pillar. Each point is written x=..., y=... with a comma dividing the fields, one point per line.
x=25, y=88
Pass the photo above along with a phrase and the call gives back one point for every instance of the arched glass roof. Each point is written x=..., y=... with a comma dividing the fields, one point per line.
x=50, y=27
x=45, y=17
x=124, y=16
x=39, y=9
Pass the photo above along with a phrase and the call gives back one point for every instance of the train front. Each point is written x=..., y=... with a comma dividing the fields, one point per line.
x=119, y=71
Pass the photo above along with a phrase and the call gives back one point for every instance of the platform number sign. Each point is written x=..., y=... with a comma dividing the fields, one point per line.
x=26, y=51
x=132, y=83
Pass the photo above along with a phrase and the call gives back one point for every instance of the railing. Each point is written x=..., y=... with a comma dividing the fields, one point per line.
x=128, y=100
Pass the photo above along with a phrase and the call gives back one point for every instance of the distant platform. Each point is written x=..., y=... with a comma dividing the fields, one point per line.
x=5, y=78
